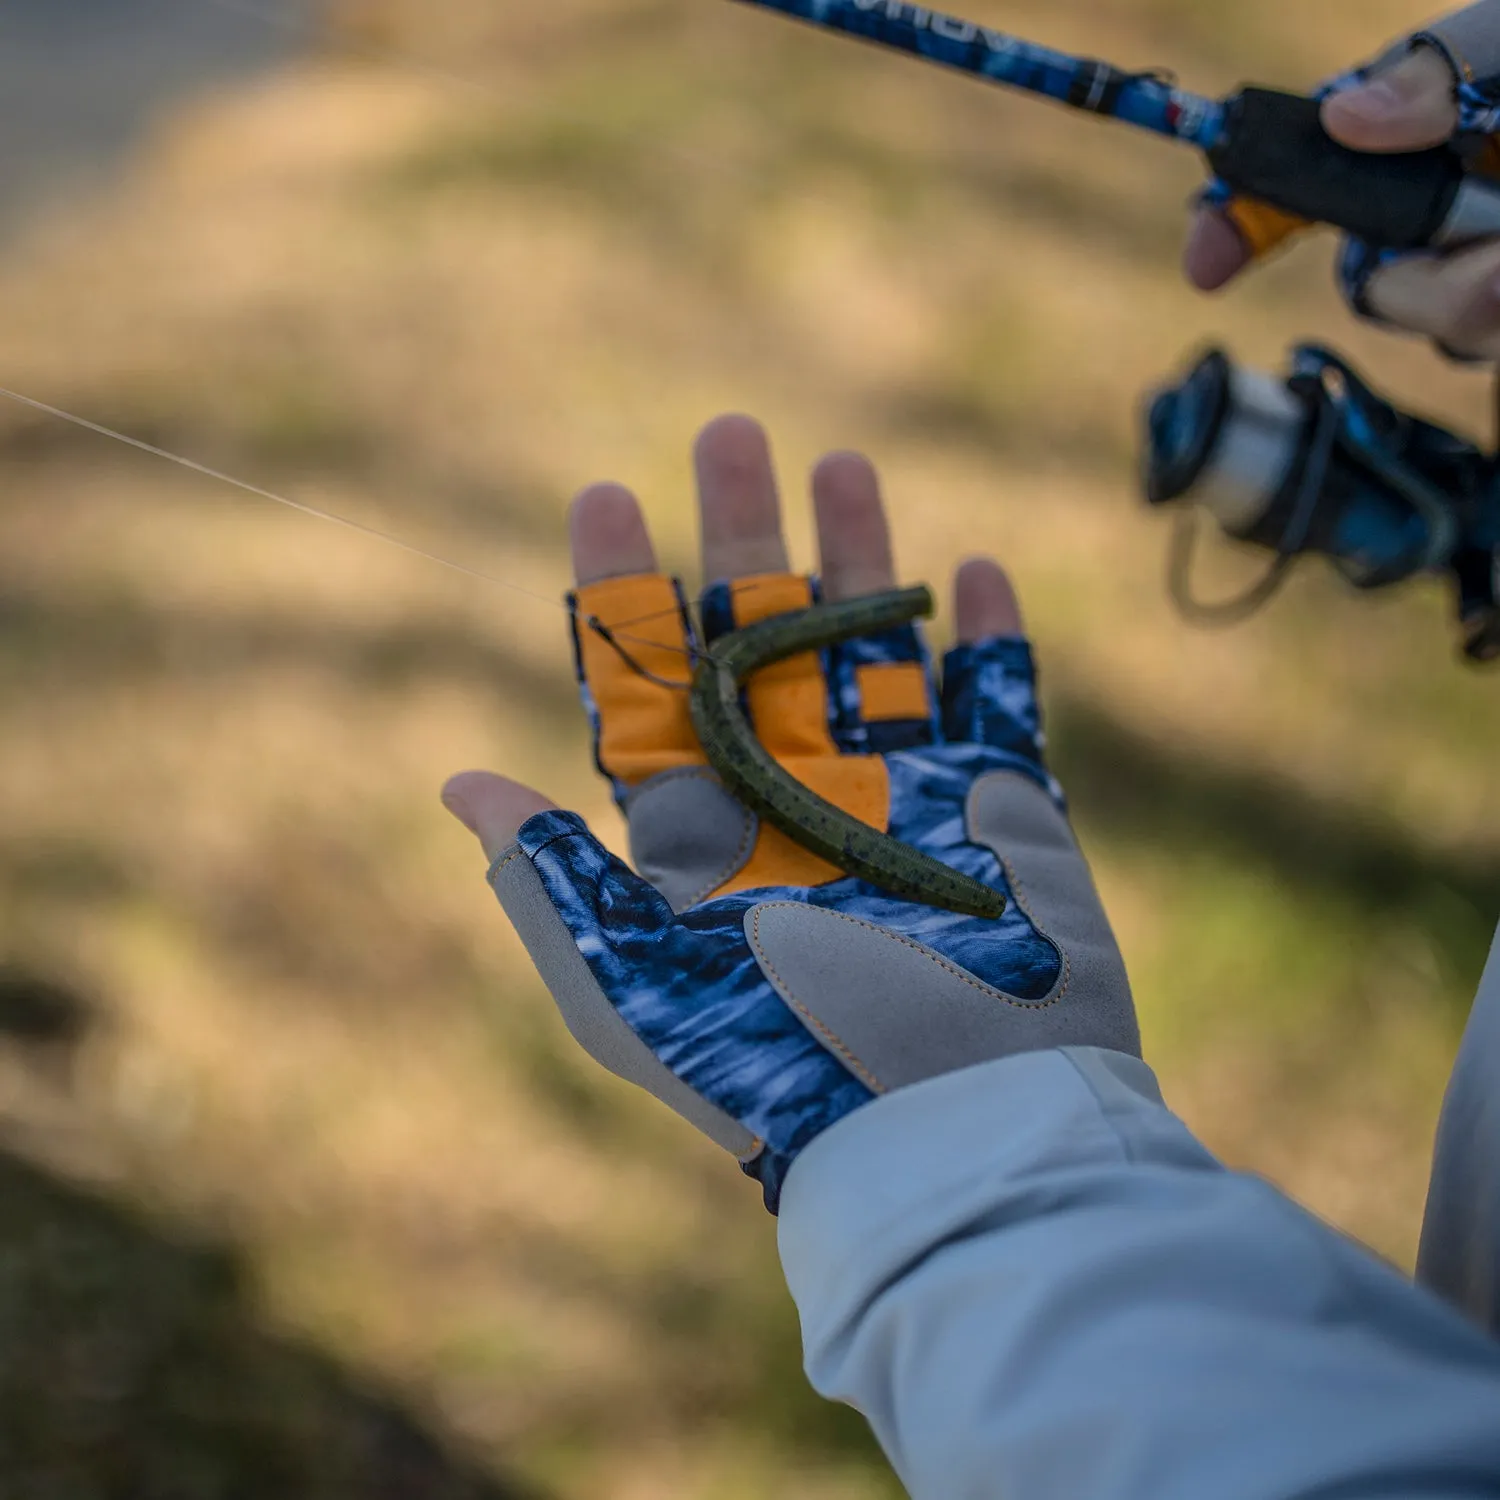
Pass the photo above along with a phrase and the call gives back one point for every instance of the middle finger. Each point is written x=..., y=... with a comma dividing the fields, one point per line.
x=854, y=539
x=739, y=508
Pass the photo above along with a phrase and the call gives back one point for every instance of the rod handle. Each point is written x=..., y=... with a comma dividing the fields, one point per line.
x=1275, y=148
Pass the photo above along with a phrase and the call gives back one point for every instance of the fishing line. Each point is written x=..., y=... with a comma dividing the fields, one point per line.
x=254, y=489
x=220, y=477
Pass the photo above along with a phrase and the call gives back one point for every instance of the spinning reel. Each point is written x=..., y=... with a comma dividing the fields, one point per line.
x=1318, y=463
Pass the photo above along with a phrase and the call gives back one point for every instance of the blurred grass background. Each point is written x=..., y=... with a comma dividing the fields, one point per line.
x=305, y=1188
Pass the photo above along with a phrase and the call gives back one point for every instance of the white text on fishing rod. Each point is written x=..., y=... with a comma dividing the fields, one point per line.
x=949, y=28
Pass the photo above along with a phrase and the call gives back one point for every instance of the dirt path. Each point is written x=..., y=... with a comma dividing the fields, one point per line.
x=80, y=80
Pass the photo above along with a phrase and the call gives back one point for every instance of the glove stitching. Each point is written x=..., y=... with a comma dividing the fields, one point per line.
x=741, y=854
x=835, y=1041
x=757, y=1144
x=557, y=838
x=934, y=958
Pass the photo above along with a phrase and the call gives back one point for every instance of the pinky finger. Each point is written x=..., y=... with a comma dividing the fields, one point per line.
x=985, y=602
x=989, y=679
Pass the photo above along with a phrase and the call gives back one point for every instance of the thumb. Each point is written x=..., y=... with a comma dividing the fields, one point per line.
x=1407, y=108
x=591, y=887
x=493, y=808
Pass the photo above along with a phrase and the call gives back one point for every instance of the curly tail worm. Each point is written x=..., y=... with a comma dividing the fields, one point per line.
x=752, y=775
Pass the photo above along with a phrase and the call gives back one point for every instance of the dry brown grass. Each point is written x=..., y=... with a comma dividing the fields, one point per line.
x=443, y=310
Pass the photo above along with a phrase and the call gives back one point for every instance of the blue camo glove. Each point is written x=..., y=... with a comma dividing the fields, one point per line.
x=766, y=1013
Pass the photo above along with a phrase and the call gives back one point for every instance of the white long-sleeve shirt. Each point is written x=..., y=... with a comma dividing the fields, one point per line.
x=1460, y=1256
x=1037, y=1286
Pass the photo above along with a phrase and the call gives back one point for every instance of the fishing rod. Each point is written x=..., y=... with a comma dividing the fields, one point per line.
x=1260, y=143
x=1317, y=463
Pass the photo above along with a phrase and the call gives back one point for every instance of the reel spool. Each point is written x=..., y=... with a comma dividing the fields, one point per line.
x=1315, y=463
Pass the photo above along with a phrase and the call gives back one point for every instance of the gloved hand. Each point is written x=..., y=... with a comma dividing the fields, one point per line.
x=1440, y=83
x=757, y=991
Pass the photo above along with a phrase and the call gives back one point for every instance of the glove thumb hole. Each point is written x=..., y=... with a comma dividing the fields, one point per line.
x=1408, y=108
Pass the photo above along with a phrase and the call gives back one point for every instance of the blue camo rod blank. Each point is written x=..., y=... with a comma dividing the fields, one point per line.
x=1141, y=99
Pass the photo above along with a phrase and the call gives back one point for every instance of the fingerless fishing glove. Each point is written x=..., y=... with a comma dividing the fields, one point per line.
x=759, y=992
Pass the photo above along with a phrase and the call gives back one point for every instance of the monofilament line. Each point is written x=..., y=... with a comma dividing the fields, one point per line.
x=254, y=489
x=373, y=532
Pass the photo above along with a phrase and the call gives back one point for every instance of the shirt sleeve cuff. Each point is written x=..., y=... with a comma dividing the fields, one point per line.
x=903, y=1174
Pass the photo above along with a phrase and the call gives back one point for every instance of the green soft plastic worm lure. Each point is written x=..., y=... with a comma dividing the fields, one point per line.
x=753, y=776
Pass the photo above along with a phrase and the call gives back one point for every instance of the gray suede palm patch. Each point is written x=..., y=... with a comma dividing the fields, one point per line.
x=596, y=1025
x=853, y=984
x=688, y=836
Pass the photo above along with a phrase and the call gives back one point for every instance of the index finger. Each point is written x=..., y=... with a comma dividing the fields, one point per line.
x=631, y=643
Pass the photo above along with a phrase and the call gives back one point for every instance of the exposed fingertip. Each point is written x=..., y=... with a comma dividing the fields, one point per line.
x=457, y=803
x=1215, y=253
x=493, y=808
x=844, y=486
x=854, y=536
x=739, y=506
x=606, y=503
x=732, y=440
x=609, y=535
x=844, y=471
x=985, y=603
